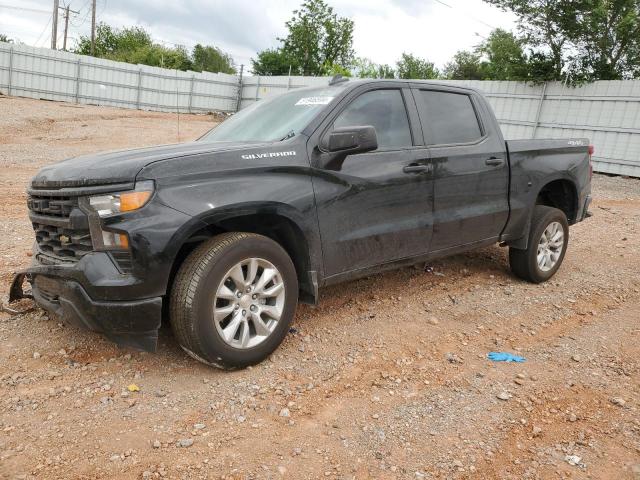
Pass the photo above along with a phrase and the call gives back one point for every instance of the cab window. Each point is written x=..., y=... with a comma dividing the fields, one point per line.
x=384, y=110
x=448, y=118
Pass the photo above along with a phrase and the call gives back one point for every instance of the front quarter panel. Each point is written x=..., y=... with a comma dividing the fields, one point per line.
x=214, y=187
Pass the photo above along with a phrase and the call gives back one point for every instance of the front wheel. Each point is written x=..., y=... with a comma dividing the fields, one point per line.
x=548, y=240
x=233, y=300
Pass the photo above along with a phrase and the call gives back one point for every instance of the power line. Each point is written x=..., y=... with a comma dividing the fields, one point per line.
x=24, y=9
x=473, y=17
x=86, y=6
x=44, y=30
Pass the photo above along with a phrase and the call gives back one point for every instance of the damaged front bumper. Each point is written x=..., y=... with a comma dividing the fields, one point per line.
x=65, y=291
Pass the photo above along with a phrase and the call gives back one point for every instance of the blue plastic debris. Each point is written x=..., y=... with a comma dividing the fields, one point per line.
x=505, y=357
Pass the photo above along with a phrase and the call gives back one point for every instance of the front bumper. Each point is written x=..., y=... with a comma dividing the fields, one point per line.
x=59, y=290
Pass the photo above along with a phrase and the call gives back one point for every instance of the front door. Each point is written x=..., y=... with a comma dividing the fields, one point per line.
x=378, y=207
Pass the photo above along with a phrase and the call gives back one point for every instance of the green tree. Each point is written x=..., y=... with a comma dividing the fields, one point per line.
x=412, y=67
x=4, y=38
x=366, y=68
x=607, y=40
x=503, y=57
x=114, y=43
x=275, y=62
x=580, y=40
x=318, y=41
x=135, y=45
x=546, y=24
x=211, y=59
x=464, y=66
x=386, y=71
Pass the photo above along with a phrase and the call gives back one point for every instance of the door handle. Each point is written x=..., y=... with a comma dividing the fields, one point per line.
x=416, y=168
x=494, y=162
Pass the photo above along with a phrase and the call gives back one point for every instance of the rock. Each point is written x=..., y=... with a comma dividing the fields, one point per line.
x=114, y=458
x=199, y=426
x=619, y=401
x=536, y=431
x=156, y=444
x=147, y=474
x=573, y=417
x=453, y=358
x=433, y=321
x=573, y=460
x=576, y=358
x=503, y=396
x=285, y=412
x=185, y=442
x=36, y=355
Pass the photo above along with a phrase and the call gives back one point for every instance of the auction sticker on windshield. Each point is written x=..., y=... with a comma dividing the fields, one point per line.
x=314, y=101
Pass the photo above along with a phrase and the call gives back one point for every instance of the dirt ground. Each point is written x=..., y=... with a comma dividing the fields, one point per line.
x=386, y=378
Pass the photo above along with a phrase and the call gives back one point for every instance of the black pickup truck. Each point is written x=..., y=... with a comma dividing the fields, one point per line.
x=223, y=236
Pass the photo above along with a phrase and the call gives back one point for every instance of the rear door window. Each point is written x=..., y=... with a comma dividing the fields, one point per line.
x=384, y=110
x=448, y=118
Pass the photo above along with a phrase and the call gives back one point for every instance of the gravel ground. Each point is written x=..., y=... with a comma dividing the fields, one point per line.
x=386, y=378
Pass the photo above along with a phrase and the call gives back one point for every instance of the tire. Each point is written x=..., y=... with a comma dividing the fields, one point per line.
x=525, y=263
x=204, y=290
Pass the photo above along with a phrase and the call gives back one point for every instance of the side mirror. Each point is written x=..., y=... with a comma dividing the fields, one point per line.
x=345, y=141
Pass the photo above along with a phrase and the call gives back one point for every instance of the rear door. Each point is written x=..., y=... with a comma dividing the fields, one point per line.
x=377, y=207
x=471, y=172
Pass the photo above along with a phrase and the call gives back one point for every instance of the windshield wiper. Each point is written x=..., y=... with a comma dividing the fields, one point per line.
x=289, y=135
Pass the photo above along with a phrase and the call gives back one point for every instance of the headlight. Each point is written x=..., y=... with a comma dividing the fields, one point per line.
x=121, y=202
x=114, y=203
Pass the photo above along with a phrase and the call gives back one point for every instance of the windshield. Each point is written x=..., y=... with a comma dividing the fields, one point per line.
x=275, y=118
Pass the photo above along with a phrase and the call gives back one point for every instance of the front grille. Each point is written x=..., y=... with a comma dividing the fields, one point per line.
x=61, y=228
x=60, y=207
x=62, y=242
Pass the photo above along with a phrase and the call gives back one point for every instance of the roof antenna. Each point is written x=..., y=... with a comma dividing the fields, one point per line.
x=337, y=79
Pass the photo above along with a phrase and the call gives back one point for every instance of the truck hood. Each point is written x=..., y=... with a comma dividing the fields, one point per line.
x=122, y=166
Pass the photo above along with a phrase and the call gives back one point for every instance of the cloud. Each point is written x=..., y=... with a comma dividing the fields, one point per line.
x=383, y=28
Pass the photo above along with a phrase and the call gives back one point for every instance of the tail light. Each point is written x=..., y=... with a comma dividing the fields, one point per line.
x=592, y=150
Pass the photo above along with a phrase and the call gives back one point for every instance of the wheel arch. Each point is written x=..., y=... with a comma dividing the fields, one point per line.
x=560, y=193
x=281, y=223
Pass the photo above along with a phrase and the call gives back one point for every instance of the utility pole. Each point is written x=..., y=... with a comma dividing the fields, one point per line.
x=93, y=28
x=66, y=28
x=66, y=11
x=54, y=24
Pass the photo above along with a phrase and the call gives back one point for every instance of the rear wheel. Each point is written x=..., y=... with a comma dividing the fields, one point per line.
x=548, y=240
x=233, y=300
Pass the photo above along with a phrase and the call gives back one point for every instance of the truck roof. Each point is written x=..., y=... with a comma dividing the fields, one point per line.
x=348, y=83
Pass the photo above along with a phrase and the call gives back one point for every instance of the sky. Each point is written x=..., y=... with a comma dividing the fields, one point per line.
x=384, y=29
